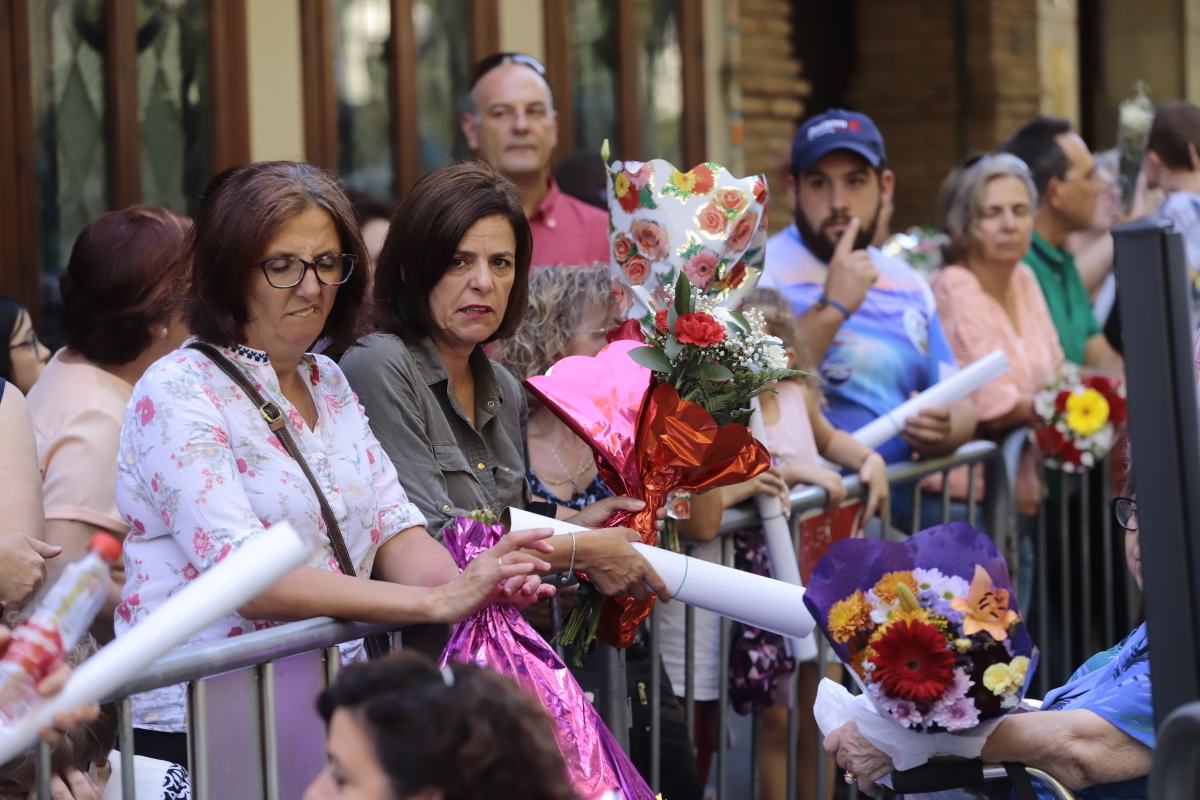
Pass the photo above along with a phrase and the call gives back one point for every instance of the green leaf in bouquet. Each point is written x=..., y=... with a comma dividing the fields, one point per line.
x=683, y=295
x=672, y=348
x=646, y=198
x=739, y=321
x=713, y=371
x=651, y=358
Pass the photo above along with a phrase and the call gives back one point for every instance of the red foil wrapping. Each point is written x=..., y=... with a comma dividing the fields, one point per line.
x=648, y=442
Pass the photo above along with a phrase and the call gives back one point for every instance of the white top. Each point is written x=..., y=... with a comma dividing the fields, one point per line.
x=707, y=654
x=199, y=472
x=153, y=779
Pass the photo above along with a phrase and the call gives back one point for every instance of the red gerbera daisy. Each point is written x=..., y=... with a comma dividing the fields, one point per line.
x=912, y=662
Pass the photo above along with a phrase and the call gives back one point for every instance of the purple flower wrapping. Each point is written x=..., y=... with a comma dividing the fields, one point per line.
x=499, y=638
x=953, y=549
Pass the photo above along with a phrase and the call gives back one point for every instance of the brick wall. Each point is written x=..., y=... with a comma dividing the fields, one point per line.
x=773, y=92
x=908, y=79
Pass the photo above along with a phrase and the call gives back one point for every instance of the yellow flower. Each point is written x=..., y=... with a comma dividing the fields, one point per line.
x=848, y=616
x=1087, y=412
x=683, y=180
x=1019, y=666
x=621, y=184
x=999, y=679
x=885, y=587
x=962, y=645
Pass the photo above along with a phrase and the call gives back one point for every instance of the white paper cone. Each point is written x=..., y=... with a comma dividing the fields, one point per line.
x=753, y=599
x=777, y=535
x=956, y=387
x=245, y=573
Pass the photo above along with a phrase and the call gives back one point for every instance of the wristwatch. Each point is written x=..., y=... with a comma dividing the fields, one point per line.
x=825, y=300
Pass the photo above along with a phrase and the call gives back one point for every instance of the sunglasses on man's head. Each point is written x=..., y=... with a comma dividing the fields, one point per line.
x=489, y=63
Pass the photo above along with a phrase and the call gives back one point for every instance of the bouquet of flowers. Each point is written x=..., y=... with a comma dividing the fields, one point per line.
x=928, y=628
x=499, y=637
x=1078, y=417
x=669, y=415
x=1135, y=116
x=921, y=247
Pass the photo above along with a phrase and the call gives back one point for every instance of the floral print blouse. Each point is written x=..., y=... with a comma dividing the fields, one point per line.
x=199, y=473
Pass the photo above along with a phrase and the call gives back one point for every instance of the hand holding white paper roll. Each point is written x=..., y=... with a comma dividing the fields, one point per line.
x=245, y=573
x=956, y=387
x=743, y=596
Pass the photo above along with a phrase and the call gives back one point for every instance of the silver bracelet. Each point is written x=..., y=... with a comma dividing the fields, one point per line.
x=565, y=578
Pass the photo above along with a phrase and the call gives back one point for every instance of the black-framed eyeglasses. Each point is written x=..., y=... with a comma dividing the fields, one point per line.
x=489, y=63
x=284, y=272
x=1125, y=512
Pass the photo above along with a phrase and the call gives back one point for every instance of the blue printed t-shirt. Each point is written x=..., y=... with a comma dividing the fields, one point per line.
x=1115, y=685
x=891, y=346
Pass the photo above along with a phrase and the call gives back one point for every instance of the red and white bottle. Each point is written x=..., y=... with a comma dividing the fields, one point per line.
x=41, y=641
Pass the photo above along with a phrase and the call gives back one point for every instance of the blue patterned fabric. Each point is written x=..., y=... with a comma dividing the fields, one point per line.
x=596, y=490
x=1115, y=685
x=892, y=346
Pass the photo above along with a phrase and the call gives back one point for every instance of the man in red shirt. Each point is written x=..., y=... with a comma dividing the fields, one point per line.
x=510, y=124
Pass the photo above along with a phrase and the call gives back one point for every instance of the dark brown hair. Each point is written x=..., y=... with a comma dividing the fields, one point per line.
x=128, y=270
x=426, y=230
x=1176, y=125
x=465, y=731
x=242, y=210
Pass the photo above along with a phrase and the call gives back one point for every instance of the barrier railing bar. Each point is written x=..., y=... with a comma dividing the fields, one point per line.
x=1106, y=532
x=755, y=755
x=1085, y=558
x=197, y=736
x=266, y=675
x=945, y=498
x=125, y=745
x=723, y=684
x=43, y=770
x=655, y=704
x=1064, y=543
x=1043, y=594
x=225, y=655
x=972, y=510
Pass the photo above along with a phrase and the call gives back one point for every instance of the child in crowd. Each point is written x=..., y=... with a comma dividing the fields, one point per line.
x=1173, y=164
x=798, y=433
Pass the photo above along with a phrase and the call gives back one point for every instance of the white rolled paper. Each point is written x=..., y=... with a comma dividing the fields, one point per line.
x=753, y=599
x=956, y=387
x=245, y=573
x=777, y=535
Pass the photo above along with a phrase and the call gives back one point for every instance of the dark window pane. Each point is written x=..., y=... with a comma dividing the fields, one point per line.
x=660, y=80
x=593, y=46
x=443, y=75
x=173, y=102
x=361, y=47
x=67, y=63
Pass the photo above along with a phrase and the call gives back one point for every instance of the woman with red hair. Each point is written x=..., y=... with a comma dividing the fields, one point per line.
x=121, y=294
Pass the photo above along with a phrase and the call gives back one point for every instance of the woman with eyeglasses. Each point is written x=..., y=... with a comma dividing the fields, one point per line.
x=243, y=428
x=1095, y=733
x=23, y=554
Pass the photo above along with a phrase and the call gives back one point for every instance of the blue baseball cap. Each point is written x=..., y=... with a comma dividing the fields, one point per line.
x=837, y=129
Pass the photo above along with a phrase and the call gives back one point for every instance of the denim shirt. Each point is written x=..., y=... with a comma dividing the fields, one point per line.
x=447, y=466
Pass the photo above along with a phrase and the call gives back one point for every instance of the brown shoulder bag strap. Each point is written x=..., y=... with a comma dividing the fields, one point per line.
x=377, y=645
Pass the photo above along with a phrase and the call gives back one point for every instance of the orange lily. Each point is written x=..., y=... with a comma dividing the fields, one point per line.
x=985, y=608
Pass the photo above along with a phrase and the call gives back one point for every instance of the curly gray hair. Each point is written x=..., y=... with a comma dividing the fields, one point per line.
x=962, y=193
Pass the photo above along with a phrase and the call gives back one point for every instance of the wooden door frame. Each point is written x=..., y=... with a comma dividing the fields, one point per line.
x=20, y=259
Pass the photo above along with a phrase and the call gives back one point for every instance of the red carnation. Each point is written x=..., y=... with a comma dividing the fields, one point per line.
x=912, y=661
x=660, y=320
x=1060, y=401
x=699, y=329
x=1050, y=440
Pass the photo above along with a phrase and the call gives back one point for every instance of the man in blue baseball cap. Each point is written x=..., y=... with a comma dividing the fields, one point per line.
x=869, y=320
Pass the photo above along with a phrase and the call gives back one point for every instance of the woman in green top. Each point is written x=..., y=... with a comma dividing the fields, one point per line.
x=452, y=277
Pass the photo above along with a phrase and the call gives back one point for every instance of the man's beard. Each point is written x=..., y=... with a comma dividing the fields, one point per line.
x=818, y=241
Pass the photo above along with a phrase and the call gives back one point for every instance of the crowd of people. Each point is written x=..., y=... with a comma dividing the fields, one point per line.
x=299, y=352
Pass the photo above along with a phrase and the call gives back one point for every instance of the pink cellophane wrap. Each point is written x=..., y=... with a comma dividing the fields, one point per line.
x=647, y=442
x=499, y=638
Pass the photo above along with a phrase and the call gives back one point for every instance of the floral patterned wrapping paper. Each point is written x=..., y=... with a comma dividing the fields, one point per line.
x=499, y=638
x=704, y=222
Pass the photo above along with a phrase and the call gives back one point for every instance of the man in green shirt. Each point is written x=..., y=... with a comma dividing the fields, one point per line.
x=1064, y=173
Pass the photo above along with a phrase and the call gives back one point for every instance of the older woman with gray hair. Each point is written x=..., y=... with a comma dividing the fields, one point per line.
x=988, y=299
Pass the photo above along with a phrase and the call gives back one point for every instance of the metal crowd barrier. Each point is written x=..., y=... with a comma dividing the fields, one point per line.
x=253, y=729
x=251, y=698
x=1069, y=592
